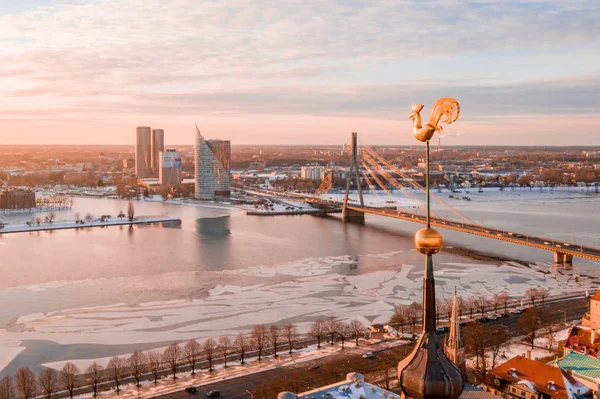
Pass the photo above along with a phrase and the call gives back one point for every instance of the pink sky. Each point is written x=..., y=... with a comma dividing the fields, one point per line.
x=89, y=72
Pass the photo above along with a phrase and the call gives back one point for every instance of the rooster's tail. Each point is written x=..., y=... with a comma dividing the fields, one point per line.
x=447, y=107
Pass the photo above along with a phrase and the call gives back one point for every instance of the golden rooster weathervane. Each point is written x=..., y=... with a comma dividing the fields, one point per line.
x=443, y=107
x=427, y=373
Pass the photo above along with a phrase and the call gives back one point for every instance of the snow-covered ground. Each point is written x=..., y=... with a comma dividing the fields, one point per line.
x=515, y=347
x=236, y=369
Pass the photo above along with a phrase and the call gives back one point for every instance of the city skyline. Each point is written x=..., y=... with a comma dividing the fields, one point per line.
x=288, y=74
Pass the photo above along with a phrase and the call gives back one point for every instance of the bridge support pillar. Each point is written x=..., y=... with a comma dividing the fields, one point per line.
x=560, y=258
x=353, y=216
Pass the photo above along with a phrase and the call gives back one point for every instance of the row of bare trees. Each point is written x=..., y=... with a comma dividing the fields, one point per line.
x=332, y=327
x=409, y=315
x=260, y=339
x=54, y=201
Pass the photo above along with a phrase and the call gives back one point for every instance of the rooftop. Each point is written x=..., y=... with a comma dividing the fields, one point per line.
x=581, y=365
x=539, y=377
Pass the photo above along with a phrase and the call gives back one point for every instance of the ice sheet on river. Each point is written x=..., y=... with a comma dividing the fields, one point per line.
x=300, y=291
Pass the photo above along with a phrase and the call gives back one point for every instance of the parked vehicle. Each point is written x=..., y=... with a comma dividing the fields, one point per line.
x=213, y=394
x=191, y=389
x=483, y=319
x=493, y=317
x=314, y=367
x=368, y=355
x=408, y=336
x=442, y=329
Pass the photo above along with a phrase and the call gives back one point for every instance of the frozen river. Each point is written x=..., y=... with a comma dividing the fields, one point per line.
x=87, y=294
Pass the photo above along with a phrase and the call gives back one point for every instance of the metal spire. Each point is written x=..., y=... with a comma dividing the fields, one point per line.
x=427, y=373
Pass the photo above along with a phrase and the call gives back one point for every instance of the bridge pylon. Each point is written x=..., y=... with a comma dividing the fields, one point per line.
x=561, y=258
x=347, y=214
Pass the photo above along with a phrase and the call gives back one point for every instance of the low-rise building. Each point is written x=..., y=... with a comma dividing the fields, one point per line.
x=524, y=378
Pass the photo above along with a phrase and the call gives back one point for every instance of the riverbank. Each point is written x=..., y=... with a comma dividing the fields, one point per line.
x=82, y=224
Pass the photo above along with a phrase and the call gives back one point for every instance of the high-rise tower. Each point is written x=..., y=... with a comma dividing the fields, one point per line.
x=454, y=348
x=158, y=145
x=212, y=167
x=143, y=152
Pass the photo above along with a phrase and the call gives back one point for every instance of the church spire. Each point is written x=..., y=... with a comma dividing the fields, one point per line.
x=454, y=348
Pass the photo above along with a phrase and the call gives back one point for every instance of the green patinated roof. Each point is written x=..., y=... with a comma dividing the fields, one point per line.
x=583, y=365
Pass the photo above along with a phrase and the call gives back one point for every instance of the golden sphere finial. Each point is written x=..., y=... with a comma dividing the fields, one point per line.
x=428, y=241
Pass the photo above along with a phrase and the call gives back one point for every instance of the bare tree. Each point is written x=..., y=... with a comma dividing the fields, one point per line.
x=344, y=332
x=356, y=329
x=543, y=294
x=398, y=319
x=496, y=301
x=471, y=305
x=155, y=364
x=550, y=332
x=48, y=380
x=94, y=375
x=88, y=217
x=332, y=326
x=130, y=211
x=274, y=336
x=505, y=299
x=7, y=389
x=242, y=344
x=482, y=304
x=209, y=349
x=25, y=382
x=317, y=331
x=532, y=294
x=258, y=334
x=50, y=217
x=225, y=347
x=192, y=352
x=495, y=340
x=415, y=310
x=528, y=325
x=69, y=377
x=290, y=331
x=172, y=356
x=116, y=369
x=475, y=344
x=448, y=302
x=440, y=308
x=137, y=365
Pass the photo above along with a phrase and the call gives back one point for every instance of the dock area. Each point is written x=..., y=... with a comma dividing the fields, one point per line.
x=319, y=212
x=83, y=224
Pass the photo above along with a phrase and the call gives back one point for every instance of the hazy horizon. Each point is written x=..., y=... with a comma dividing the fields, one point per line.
x=90, y=71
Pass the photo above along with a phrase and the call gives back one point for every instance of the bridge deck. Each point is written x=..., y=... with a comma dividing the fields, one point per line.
x=496, y=234
x=515, y=238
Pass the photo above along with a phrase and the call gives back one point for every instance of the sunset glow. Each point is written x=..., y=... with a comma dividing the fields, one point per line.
x=90, y=71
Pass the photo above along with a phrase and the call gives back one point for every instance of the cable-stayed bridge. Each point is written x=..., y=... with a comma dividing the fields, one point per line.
x=366, y=165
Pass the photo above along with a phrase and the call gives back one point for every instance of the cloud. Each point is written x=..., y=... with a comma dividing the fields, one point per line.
x=183, y=57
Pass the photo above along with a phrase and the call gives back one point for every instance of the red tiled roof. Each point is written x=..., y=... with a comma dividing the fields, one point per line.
x=596, y=296
x=537, y=374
